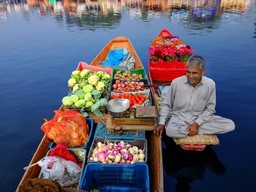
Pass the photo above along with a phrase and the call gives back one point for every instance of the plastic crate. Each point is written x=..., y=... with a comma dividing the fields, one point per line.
x=140, y=143
x=90, y=123
x=81, y=156
x=106, y=178
x=166, y=71
x=92, y=68
x=102, y=132
x=145, y=81
x=140, y=71
x=145, y=93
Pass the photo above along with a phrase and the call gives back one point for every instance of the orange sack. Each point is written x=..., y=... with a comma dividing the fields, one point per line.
x=67, y=127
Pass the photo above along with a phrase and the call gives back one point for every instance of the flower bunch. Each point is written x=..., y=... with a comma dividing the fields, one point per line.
x=170, y=49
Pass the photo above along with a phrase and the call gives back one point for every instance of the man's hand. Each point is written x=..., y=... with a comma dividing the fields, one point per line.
x=158, y=130
x=193, y=129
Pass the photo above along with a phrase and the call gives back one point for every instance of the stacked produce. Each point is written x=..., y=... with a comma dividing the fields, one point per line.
x=117, y=153
x=87, y=90
x=128, y=86
x=128, y=75
x=135, y=99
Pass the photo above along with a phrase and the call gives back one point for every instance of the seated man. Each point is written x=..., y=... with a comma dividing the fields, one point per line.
x=189, y=106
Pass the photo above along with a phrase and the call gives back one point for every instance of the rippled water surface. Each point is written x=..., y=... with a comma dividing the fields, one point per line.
x=41, y=42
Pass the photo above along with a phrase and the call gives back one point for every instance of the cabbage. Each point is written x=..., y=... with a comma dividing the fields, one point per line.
x=66, y=101
x=80, y=103
x=88, y=103
x=80, y=93
x=96, y=95
x=88, y=88
x=74, y=98
x=95, y=108
x=88, y=96
x=103, y=101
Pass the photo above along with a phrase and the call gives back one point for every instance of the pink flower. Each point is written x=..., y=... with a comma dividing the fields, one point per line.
x=174, y=49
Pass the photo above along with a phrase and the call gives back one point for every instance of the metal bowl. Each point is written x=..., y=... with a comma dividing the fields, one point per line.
x=117, y=107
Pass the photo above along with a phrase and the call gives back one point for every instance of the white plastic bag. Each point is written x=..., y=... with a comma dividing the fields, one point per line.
x=58, y=169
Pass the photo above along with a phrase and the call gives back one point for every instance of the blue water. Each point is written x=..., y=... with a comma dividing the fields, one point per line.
x=38, y=51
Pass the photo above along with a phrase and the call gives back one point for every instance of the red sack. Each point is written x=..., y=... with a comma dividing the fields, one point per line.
x=61, y=150
x=67, y=127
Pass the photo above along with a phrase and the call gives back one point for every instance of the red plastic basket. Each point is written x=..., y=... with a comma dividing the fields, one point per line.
x=193, y=147
x=83, y=65
x=166, y=71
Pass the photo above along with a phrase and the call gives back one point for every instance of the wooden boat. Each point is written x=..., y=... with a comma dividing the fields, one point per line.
x=154, y=142
x=117, y=43
x=160, y=77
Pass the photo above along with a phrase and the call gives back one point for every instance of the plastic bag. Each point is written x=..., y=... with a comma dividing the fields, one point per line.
x=58, y=169
x=61, y=150
x=68, y=127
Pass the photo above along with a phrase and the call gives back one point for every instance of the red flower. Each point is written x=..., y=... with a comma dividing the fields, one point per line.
x=173, y=49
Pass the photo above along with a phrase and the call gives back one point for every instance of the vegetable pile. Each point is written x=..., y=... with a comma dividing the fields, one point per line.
x=99, y=80
x=117, y=153
x=135, y=99
x=87, y=91
x=128, y=76
x=128, y=86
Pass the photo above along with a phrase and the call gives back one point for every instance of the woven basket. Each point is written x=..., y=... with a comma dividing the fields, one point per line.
x=198, y=139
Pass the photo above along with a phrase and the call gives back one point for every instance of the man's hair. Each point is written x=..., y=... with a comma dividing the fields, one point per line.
x=196, y=60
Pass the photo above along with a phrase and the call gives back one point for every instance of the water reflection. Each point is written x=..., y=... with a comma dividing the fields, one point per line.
x=187, y=166
x=194, y=13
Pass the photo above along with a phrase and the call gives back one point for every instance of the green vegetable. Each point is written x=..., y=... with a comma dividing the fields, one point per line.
x=106, y=77
x=74, y=98
x=82, y=83
x=103, y=101
x=80, y=103
x=88, y=88
x=88, y=97
x=95, y=106
x=75, y=88
x=100, y=74
x=83, y=112
x=66, y=101
x=88, y=104
x=85, y=73
x=76, y=75
x=96, y=95
x=80, y=93
x=93, y=79
x=100, y=86
x=71, y=82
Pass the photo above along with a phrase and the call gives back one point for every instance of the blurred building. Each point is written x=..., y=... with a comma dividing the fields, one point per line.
x=233, y=5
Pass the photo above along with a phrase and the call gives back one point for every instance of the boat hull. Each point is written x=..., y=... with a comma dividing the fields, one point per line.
x=154, y=143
